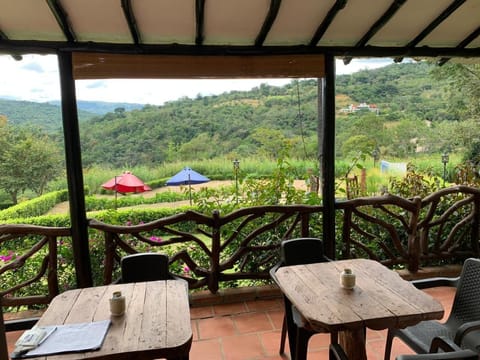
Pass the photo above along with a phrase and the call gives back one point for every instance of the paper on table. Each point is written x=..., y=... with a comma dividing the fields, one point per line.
x=72, y=338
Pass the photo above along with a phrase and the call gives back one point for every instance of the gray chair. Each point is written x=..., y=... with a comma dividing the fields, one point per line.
x=144, y=267
x=336, y=352
x=462, y=327
x=296, y=252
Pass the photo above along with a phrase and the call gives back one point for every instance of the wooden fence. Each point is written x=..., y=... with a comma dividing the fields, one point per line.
x=239, y=248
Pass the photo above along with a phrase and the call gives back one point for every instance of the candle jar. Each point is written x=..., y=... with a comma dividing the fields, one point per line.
x=117, y=304
x=347, y=279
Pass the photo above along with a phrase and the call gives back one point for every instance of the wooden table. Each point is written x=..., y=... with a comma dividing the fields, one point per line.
x=156, y=323
x=381, y=299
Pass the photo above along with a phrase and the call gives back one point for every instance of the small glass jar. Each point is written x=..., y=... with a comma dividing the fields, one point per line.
x=117, y=304
x=347, y=279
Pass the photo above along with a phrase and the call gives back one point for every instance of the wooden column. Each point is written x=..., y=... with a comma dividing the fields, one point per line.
x=3, y=338
x=73, y=158
x=328, y=159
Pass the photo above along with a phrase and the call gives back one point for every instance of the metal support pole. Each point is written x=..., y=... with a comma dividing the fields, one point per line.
x=328, y=159
x=73, y=159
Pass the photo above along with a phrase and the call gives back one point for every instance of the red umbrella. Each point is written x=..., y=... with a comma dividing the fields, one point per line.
x=126, y=183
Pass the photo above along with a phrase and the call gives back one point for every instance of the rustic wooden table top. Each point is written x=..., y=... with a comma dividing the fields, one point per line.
x=156, y=323
x=380, y=299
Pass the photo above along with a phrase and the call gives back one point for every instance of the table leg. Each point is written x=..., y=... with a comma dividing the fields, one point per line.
x=353, y=342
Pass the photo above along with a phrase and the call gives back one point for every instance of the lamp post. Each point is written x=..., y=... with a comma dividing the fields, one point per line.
x=236, y=167
x=445, y=159
x=375, y=155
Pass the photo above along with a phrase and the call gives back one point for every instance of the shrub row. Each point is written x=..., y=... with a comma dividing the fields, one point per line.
x=35, y=207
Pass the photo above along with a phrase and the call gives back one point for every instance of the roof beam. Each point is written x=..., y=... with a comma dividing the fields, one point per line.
x=332, y=13
x=52, y=47
x=463, y=44
x=62, y=19
x=132, y=23
x=200, y=21
x=381, y=22
x=131, y=66
x=440, y=18
x=269, y=20
x=5, y=37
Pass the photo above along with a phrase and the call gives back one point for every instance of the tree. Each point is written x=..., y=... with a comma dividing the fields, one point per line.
x=27, y=161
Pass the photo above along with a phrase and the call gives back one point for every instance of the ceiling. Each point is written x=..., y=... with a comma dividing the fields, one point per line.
x=343, y=28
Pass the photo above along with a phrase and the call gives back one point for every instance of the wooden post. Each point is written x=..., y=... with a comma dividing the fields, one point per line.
x=73, y=159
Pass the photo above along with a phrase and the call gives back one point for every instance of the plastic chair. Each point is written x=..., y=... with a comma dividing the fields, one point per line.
x=463, y=324
x=296, y=252
x=144, y=267
x=336, y=352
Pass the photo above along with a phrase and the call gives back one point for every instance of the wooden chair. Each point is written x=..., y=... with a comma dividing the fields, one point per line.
x=296, y=252
x=462, y=328
x=144, y=267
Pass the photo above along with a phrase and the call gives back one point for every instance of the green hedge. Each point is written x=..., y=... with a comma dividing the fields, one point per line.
x=35, y=207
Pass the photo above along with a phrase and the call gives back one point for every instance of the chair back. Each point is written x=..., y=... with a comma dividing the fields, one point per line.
x=465, y=306
x=302, y=251
x=144, y=267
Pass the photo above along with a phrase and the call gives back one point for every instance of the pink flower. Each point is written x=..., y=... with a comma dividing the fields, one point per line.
x=8, y=257
x=156, y=238
x=186, y=269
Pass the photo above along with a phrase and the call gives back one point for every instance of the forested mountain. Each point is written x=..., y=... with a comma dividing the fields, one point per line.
x=102, y=107
x=264, y=120
x=48, y=116
x=412, y=108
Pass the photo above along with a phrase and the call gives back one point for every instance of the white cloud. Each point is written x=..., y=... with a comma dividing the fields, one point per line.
x=36, y=78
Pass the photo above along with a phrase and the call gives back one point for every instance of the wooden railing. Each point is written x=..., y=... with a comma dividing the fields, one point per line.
x=239, y=248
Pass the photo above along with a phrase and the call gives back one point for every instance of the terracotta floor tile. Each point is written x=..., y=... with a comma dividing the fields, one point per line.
x=201, y=312
x=252, y=322
x=207, y=349
x=276, y=317
x=230, y=309
x=264, y=305
x=271, y=342
x=242, y=347
x=216, y=327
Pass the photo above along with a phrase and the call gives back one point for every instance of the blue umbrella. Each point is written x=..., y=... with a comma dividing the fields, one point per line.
x=187, y=176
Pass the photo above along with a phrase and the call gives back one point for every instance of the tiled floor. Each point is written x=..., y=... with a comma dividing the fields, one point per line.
x=250, y=330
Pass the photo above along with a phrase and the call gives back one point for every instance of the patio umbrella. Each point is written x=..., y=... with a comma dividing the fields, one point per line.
x=187, y=176
x=125, y=183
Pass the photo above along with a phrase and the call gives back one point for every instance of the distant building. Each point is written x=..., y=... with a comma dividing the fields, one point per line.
x=362, y=107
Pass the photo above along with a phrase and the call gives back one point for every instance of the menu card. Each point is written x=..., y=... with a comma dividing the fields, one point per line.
x=70, y=338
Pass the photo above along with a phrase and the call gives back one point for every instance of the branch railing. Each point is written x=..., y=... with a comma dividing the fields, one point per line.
x=238, y=249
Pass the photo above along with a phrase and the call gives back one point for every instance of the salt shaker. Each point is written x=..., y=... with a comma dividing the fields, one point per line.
x=117, y=304
x=347, y=279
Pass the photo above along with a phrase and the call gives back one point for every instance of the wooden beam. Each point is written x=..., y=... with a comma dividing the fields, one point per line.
x=132, y=23
x=437, y=21
x=199, y=21
x=105, y=66
x=332, y=13
x=463, y=44
x=267, y=24
x=62, y=19
x=381, y=22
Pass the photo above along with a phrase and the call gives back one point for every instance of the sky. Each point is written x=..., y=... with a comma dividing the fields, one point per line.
x=36, y=78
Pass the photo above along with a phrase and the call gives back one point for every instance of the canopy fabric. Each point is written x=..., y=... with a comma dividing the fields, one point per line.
x=126, y=183
x=187, y=176
x=344, y=28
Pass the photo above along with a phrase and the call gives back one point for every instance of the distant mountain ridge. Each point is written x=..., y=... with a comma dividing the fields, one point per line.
x=48, y=115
